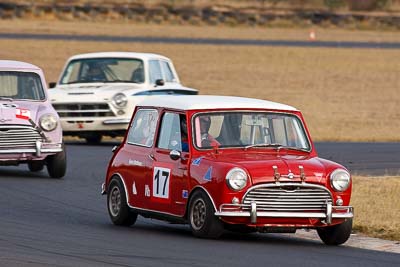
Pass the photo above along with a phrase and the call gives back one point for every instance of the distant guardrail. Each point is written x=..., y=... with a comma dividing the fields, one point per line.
x=211, y=15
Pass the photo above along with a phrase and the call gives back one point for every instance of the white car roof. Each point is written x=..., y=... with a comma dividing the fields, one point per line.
x=143, y=56
x=212, y=102
x=12, y=64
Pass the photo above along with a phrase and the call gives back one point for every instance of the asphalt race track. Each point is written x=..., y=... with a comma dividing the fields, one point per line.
x=50, y=222
x=201, y=41
x=364, y=158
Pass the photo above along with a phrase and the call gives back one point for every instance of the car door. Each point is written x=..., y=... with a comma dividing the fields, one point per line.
x=162, y=69
x=169, y=179
x=137, y=151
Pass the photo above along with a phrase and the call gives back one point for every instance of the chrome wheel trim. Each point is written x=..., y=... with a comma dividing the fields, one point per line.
x=114, y=202
x=198, y=214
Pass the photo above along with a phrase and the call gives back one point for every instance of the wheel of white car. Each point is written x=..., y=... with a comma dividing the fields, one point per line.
x=118, y=209
x=201, y=217
x=336, y=234
x=36, y=165
x=93, y=139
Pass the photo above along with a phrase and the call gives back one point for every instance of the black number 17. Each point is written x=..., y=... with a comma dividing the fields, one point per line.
x=164, y=174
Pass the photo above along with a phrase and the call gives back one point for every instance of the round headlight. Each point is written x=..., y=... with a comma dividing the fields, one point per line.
x=48, y=122
x=120, y=100
x=236, y=179
x=340, y=180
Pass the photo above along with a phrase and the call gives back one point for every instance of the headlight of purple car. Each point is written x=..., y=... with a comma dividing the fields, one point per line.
x=48, y=122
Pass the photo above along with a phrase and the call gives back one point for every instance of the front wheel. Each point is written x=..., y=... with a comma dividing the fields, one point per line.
x=57, y=164
x=202, y=220
x=117, y=205
x=36, y=165
x=336, y=234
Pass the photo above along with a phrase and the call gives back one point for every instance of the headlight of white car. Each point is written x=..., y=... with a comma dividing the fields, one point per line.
x=120, y=100
x=340, y=180
x=236, y=179
x=48, y=122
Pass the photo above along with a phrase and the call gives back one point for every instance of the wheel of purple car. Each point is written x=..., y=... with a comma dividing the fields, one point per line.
x=57, y=164
x=35, y=166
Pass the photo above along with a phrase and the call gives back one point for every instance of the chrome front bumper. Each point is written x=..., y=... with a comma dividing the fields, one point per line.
x=38, y=150
x=233, y=210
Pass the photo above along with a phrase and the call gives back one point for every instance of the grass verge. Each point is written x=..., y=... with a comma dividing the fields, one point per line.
x=345, y=94
x=376, y=202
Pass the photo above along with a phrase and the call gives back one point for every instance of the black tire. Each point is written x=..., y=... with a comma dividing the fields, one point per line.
x=337, y=234
x=93, y=139
x=118, y=209
x=36, y=166
x=57, y=164
x=202, y=220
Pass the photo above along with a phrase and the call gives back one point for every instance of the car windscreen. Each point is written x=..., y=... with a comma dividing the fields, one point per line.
x=249, y=129
x=21, y=86
x=103, y=70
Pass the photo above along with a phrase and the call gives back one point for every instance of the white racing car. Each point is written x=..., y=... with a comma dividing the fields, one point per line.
x=97, y=92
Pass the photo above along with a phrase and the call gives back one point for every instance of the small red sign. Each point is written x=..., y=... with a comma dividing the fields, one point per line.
x=22, y=113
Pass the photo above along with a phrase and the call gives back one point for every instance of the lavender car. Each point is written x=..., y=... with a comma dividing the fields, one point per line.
x=30, y=131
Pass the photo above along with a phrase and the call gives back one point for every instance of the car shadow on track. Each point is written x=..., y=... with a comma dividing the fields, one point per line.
x=151, y=228
x=12, y=172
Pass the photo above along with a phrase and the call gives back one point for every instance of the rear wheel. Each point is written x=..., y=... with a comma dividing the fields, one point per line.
x=202, y=220
x=336, y=234
x=118, y=209
x=57, y=164
x=93, y=139
x=36, y=166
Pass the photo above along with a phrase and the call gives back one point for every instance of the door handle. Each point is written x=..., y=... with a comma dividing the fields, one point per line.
x=151, y=156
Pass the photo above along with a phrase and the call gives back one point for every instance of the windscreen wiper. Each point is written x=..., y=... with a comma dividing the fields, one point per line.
x=85, y=81
x=274, y=145
x=6, y=98
x=119, y=81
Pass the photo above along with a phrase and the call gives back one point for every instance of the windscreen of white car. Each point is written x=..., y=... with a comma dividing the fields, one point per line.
x=20, y=86
x=248, y=130
x=106, y=70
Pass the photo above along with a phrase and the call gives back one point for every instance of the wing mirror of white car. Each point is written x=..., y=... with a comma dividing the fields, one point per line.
x=52, y=85
x=114, y=149
x=160, y=82
x=175, y=155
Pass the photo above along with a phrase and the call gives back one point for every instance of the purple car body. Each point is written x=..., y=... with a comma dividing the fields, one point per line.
x=30, y=131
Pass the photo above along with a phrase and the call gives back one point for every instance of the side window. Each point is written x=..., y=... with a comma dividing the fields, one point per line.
x=143, y=127
x=166, y=68
x=155, y=71
x=170, y=132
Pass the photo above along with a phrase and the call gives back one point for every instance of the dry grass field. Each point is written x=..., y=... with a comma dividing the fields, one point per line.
x=345, y=94
x=377, y=206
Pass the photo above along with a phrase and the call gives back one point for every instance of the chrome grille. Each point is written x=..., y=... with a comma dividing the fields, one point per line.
x=84, y=110
x=288, y=198
x=14, y=136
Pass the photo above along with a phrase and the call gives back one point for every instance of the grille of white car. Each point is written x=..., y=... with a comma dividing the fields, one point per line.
x=14, y=136
x=84, y=110
x=288, y=198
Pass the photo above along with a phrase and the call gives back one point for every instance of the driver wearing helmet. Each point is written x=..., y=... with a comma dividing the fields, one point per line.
x=207, y=140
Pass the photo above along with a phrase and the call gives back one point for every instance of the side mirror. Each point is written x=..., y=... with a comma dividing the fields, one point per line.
x=160, y=82
x=175, y=155
x=114, y=149
x=52, y=85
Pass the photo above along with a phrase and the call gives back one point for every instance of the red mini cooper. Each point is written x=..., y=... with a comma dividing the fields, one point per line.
x=218, y=162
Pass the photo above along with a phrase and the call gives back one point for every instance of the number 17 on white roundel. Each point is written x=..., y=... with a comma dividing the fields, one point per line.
x=161, y=177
